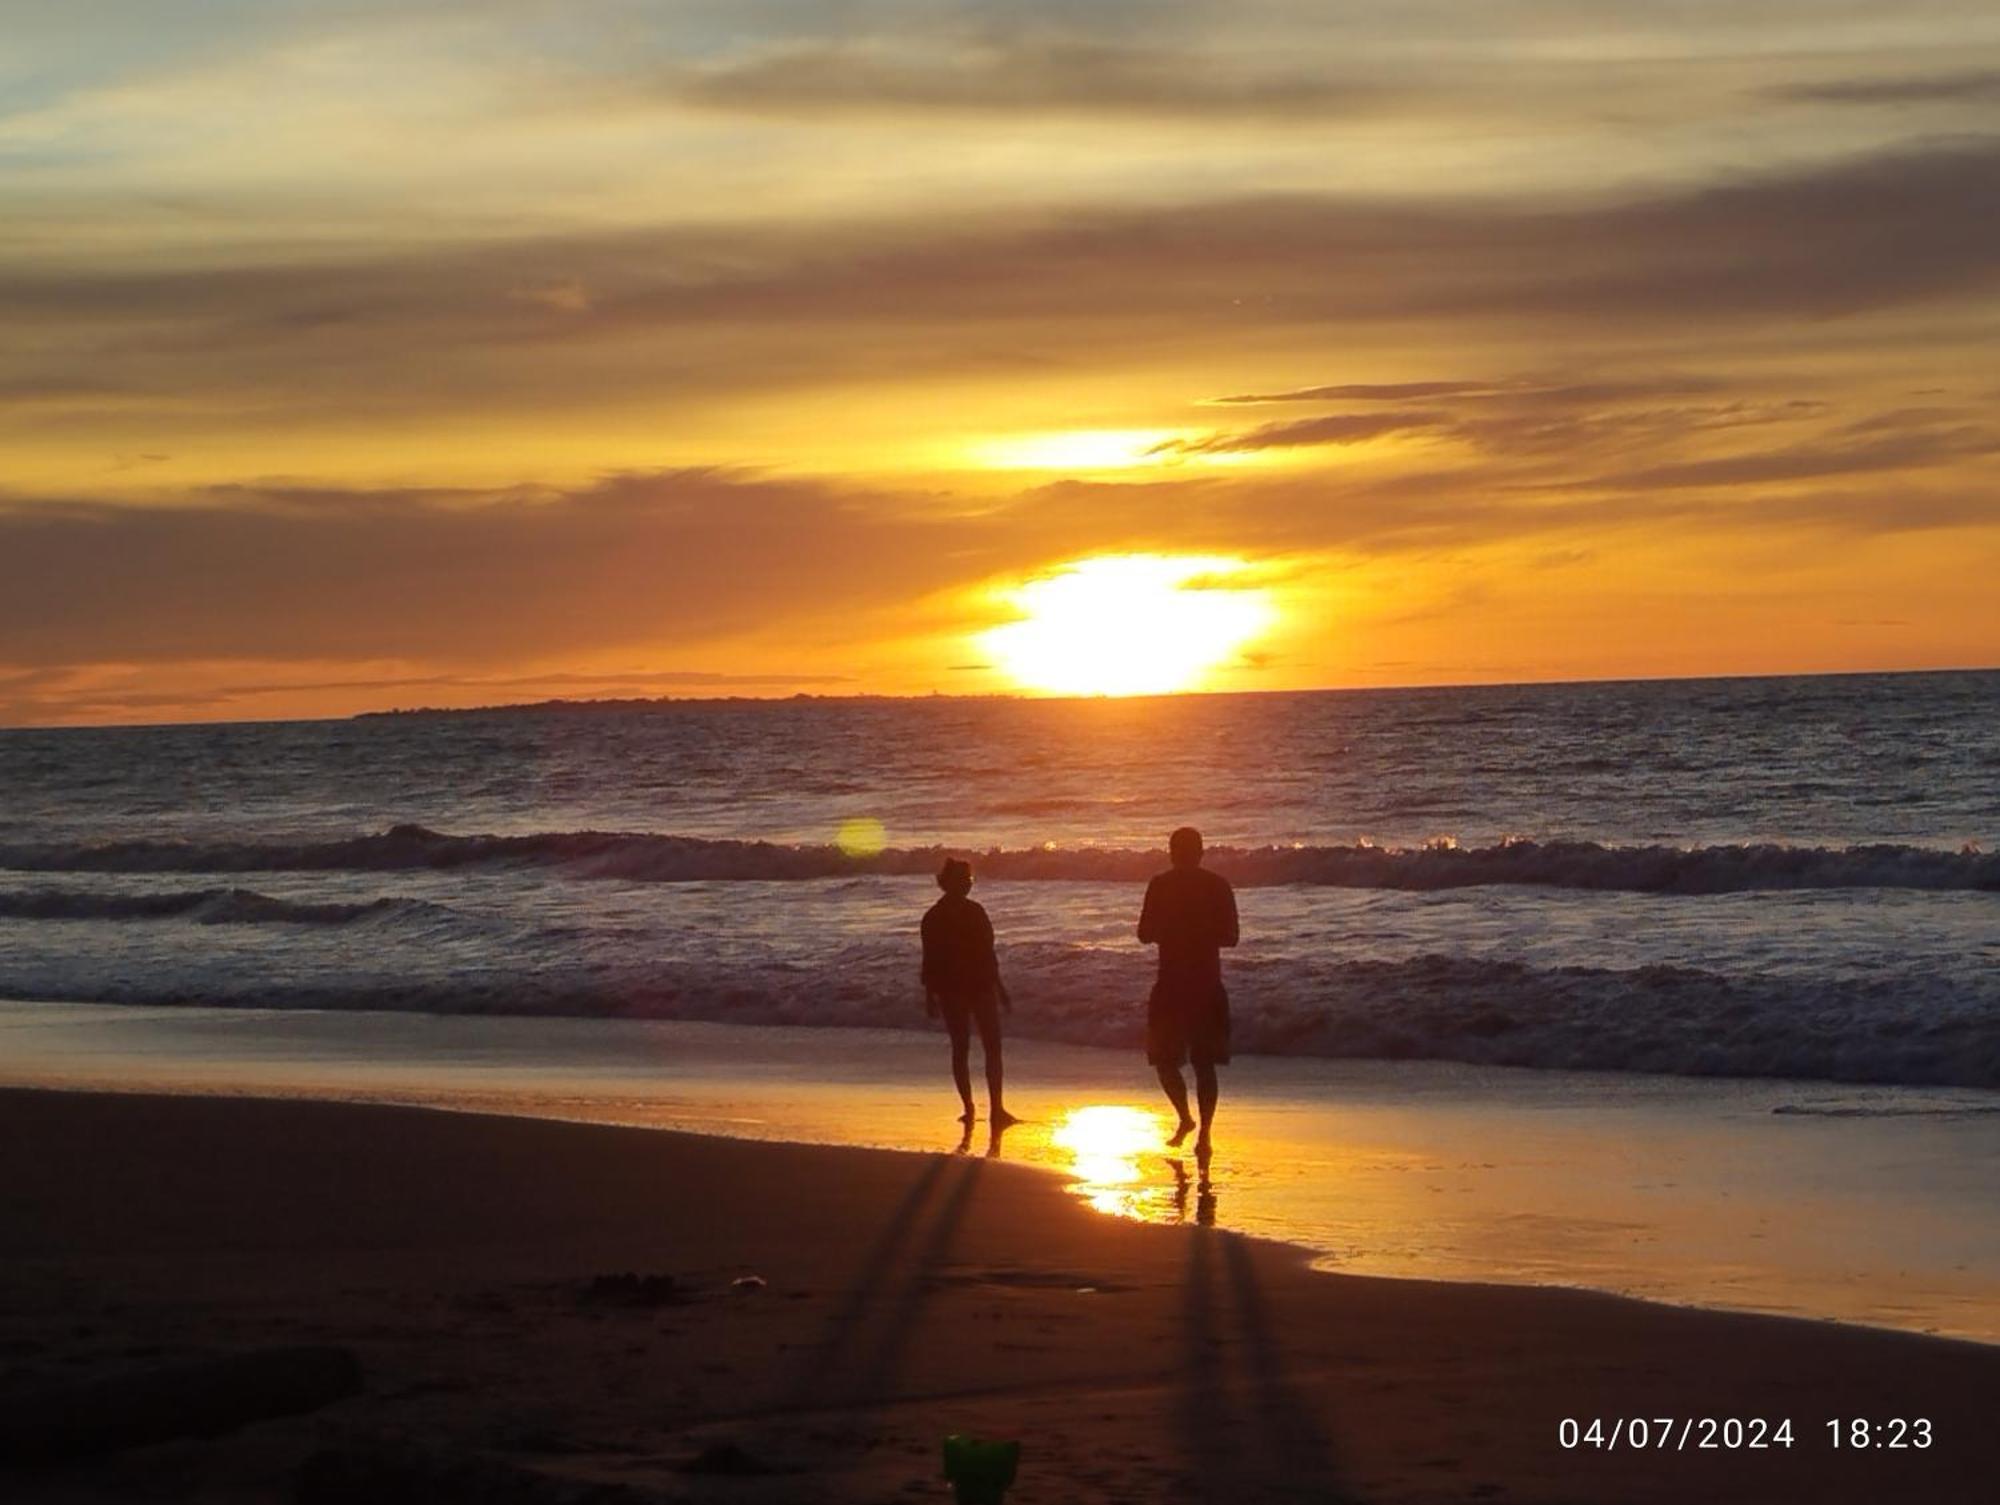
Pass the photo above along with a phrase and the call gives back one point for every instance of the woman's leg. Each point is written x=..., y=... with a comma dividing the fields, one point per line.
x=988, y=1015
x=961, y=1051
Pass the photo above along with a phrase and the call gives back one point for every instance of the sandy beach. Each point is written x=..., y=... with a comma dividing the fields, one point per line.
x=897, y=1298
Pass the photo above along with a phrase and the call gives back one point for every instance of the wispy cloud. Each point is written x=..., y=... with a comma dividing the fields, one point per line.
x=1023, y=75
x=1404, y=391
x=1858, y=451
x=1335, y=429
x=1967, y=86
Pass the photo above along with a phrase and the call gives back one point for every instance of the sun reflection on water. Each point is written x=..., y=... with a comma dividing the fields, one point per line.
x=1108, y=1147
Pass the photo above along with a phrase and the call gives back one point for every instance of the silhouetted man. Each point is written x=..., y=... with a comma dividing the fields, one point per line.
x=962, y=982
x=1190, y=914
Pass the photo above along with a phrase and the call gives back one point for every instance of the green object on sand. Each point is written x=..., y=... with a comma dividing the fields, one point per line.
x=979, y=1471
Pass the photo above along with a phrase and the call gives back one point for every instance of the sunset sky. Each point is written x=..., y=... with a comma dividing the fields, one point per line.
x=457, y=351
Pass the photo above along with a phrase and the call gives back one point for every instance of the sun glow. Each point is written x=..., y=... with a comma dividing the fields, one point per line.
x=1128, y=624
x=1073, y=449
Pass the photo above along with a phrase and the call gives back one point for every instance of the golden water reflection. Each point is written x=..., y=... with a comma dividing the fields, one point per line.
x=1121, y=1163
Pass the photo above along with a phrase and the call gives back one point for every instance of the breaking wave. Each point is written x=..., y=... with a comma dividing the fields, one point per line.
x=669, y=859
x=206, y=906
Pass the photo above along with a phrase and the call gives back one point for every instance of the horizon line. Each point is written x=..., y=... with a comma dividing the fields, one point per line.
x=586, y=704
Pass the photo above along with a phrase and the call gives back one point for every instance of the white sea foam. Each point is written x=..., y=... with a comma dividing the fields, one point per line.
x=398, y=954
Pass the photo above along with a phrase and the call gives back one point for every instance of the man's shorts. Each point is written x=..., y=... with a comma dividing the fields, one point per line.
x=962, y=1010
x=1188, y=1024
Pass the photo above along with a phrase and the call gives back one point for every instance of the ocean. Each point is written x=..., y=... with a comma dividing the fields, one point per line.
x=1787, y=877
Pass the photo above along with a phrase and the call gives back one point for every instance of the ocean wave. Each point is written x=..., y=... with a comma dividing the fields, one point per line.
x=1889, y=1110
x=1663, y=1019
x=1441, y=865
x=205, y=906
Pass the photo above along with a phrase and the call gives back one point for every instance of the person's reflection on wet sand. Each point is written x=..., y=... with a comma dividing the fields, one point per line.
x=996, y=1130
x=1204, y=1193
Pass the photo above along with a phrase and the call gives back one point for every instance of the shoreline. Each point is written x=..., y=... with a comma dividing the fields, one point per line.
x=903, y=1295
x=1845, y=1206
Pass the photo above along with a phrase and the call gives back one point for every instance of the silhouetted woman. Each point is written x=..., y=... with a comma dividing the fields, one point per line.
x=962, y=982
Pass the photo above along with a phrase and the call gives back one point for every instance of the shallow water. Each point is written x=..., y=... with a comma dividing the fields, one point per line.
x=1868, y=1204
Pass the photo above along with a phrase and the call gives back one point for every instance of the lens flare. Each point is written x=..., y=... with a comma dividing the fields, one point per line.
x=1129, y=624
x=861, y=837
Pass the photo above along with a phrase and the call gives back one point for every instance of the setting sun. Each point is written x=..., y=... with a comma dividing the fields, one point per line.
x=1129, y=624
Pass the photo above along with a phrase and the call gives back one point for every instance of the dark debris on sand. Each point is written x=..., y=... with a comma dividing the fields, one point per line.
x=628, y=1288
x=728, y=1459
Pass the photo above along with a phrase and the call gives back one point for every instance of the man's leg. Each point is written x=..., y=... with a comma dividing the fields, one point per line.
x=960, y=1026
x=990, y=1048
x=1166, y=1048
x=1176, y=1090
x=1205, y=1089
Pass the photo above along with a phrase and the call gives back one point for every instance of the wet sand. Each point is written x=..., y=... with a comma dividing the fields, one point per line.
x=1863, y=1205
x=902, y=1296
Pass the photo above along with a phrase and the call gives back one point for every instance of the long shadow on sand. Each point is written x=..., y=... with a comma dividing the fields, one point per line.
x=1247, y=1425
x=858, y=1360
